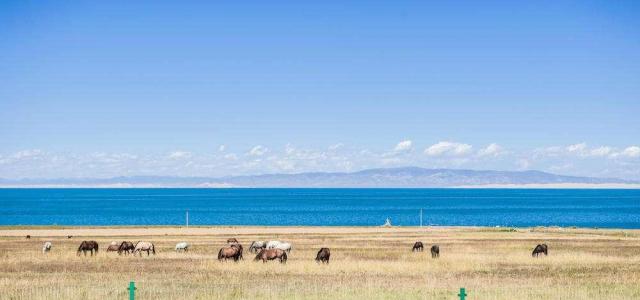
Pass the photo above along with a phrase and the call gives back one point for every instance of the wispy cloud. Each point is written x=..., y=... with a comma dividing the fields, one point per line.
x=572, y=159
x=403, y=146
x=448, y=148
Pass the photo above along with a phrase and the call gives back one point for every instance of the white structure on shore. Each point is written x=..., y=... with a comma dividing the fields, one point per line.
x=387, y=223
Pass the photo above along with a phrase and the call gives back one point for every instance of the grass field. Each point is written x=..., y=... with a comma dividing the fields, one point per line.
x=366, y=263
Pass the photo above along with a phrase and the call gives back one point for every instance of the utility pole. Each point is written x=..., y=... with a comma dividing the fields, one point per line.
x=187, y=219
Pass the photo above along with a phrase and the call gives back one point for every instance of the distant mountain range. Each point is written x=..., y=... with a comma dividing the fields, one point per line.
x=408, y=177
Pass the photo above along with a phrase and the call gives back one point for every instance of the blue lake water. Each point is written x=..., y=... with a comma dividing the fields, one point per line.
x=333, y=207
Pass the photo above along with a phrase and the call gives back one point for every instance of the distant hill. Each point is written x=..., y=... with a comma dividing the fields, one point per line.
x=408, y=177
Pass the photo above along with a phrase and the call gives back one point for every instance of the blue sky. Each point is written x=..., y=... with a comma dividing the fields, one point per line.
x=107, y=88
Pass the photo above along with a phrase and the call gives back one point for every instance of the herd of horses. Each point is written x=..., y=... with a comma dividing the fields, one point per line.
x=265, y=251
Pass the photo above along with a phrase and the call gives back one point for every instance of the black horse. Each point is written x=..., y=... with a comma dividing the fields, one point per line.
x=435, y=251
x=323, y=255
x=88, y=246
x=126, y=247
x=542, y=248
x=418, y=246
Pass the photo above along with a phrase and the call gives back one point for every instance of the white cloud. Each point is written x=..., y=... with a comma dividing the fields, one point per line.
x=27, y=153
x=231, y=156
x=179, y=154
x=335, y=147
x=258, y=150
x=288, y=149
x=448, y=148
x=491, y=150
x=577, y=148
x=601, y=151
x=631, y=151
x=403, y=146
x=222, y=148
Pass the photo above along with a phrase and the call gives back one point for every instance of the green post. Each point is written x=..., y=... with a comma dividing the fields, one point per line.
x=132, y=290
x=462, y=294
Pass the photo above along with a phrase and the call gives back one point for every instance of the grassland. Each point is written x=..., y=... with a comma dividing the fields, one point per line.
x=366, y=263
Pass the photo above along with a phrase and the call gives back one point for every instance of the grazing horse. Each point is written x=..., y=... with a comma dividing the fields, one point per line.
x=126, y=247
x=272, y=244
x=46, y=247
x=69, y=236
x=284, y=247
x=232, y=241
x=144, y=246
x=323, y=255
x=255, y=245
x=113, y=247
x=435, y=251
x=182, y=246
x=540, y=249
x=88, y=246
x=233, y=252
x=271, y=254
x=28, y=236
x=418, y=246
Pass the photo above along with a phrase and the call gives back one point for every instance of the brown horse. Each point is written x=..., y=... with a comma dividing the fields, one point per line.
x=435, y=251
x=540, y=249
x=232, y=241
x=418, y=246
x=271, y=254
x=88, y=246
x=126, y=247
x=113, y=247
x=323, y=255
x=234, y=252
x=28, y=236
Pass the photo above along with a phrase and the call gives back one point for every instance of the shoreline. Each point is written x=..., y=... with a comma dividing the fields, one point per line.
x=151, y=230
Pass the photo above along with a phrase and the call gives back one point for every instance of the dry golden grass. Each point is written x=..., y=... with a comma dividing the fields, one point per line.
x=366, y=263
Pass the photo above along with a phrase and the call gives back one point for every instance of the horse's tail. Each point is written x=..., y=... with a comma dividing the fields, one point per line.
x=284, y=256
x=220, y=254
x=153, y=249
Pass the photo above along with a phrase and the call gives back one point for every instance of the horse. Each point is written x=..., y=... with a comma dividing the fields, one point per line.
x=46, y=247
x=272, y=244
x=323, y=255
x=126, y=247
x=88, y=246
x=240, y=249
x=542, y=248
x=233, y=252
x=284, y=246
x=271, y=254
x=255, y=245
x=418, y=246
x=435, y=251
x=232, y=241
x=69, y=236
x=182, y=246
x=28, y=236
x=113, y=247
x=144, y=246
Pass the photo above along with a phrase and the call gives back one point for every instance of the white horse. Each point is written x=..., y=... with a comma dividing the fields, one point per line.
x=255, y=245
x=284, y=247
x=46, y=247
x=182, y=246
x=273, y=244
x=144, y=246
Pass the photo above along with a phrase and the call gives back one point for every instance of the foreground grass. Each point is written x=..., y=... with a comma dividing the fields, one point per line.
x=490, y=263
